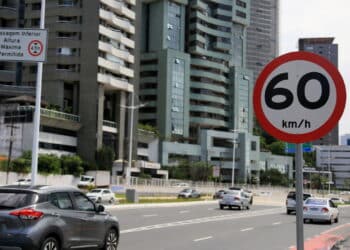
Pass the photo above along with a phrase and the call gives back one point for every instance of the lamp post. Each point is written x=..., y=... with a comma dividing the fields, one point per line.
x=233, y=157
x=132, y=108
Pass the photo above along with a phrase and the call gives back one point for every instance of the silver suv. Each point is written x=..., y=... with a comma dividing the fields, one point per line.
x=57, y=218
x=291, y=201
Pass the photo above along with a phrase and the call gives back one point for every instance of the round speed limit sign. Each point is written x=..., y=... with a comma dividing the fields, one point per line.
x=299, y=97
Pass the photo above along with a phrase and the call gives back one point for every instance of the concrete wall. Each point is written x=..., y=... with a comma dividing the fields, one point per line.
x=56, y=180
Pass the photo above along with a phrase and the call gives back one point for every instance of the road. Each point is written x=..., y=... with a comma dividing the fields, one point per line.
x=206, y=227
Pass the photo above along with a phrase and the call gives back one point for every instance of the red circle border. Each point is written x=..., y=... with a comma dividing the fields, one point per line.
x=42, y=47
x=328, y=125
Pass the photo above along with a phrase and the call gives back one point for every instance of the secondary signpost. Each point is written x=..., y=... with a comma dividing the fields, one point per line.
x=299, y=97
x=28, y=45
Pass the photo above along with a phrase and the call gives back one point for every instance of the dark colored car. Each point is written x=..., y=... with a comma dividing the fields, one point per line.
x=218, y=194
x=189, y=193
x=53, y=218
x=291, y=201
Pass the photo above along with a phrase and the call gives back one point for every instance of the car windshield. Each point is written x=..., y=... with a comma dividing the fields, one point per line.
x=319, y=202
x=186, y=190
x=232, y=192
x=95, y=191
x=12, y=199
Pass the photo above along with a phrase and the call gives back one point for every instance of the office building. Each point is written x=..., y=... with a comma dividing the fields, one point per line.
x=194, y=80
x=335, y=159
x=88, y=78
x=262, y=35
x=325, y=47
x=345, y=140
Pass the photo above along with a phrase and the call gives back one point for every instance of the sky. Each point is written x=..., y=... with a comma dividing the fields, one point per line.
x=319, y=18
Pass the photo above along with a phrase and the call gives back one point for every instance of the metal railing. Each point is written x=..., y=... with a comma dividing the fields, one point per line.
x=110, y=124
x=52, y=113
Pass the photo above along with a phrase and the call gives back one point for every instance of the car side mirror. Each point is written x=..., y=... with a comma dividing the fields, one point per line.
x=100, y=209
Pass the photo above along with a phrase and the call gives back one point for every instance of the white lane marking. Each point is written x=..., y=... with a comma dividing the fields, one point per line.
x=247, y=229
x=276, y=223
x=184, y=211
x=225, y=217
x=204, y=238
x=150, y=215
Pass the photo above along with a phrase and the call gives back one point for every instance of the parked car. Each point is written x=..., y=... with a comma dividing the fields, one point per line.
x=181, y=184
x=100, y=195
x=291, y=201
x=48, y=217
x=25, y=181
x=337, y=200
x=189, y=193
x=235, y=198
x=218, y=194
x=248, y=192
x=320, y=209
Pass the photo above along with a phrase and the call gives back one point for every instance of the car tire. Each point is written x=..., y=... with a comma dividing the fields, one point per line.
x=336, y=220
x=111, y=240
x=288, y=211
x=221, y=207
x=248, y=207
x=50, y=243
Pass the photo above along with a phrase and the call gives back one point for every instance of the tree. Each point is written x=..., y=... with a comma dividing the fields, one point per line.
x=277, y=148
x=200, y=171
x=72, y=165
x=104, y=158
x=49, y=164
x=23, y=163
x=273, y=177
x=318, y=181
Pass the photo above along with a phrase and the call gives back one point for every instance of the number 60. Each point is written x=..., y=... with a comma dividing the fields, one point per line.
x=272, y=91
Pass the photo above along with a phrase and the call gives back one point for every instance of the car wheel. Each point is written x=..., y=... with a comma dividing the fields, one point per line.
x=50, y=243
x=248, y=207
x=288, y=211
x=111, y=241
x=336, y=220
x=221, y=207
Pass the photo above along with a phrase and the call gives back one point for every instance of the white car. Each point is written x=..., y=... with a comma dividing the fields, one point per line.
x=320, y=209
x=235, y=198
x=100, y=195
x=25, y=181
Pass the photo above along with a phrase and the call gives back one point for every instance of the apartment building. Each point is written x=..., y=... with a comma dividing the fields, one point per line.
x=324, y=47
x=262, y=35
x=194, y=79
x=88, y=78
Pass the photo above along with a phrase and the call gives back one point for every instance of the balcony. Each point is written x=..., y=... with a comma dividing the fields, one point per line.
x=55, y=118
x=110, y=127
x=14, y=90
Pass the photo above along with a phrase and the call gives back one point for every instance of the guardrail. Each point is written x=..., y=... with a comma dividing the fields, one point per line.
x=52, y=113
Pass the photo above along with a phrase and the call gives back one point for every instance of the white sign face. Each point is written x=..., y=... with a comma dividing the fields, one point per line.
x=294, y=116
x=299, y=97
x=26, y=45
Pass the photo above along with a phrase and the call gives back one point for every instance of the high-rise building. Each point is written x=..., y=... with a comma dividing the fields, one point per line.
x=11, y=85
x=88, y=78
x=262, y=34
x=325, y=47
x=195, y=82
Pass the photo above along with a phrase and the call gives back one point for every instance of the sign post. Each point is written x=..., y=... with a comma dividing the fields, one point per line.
x=299, y=97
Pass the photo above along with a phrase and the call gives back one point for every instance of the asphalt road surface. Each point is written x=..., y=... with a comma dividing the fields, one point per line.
x=206, y=227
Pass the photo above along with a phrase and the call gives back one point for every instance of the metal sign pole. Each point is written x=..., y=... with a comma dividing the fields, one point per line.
x=36, y=131
x=299, y=196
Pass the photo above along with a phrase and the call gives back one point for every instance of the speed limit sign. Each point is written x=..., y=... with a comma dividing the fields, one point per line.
x=299, y=97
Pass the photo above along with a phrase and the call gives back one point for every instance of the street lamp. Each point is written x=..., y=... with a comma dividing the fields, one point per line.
x=233, y=156
x=132, y=108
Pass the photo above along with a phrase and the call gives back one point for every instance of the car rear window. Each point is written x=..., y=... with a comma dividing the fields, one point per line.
x=316, y=202
x=12, y=199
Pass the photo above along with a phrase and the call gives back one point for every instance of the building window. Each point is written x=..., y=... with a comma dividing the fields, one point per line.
x=177, y=97
x=348, y=142
x=36, y=6
x=174, y=25
x=253, y=146
x=241, y=14
x=241, y=4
